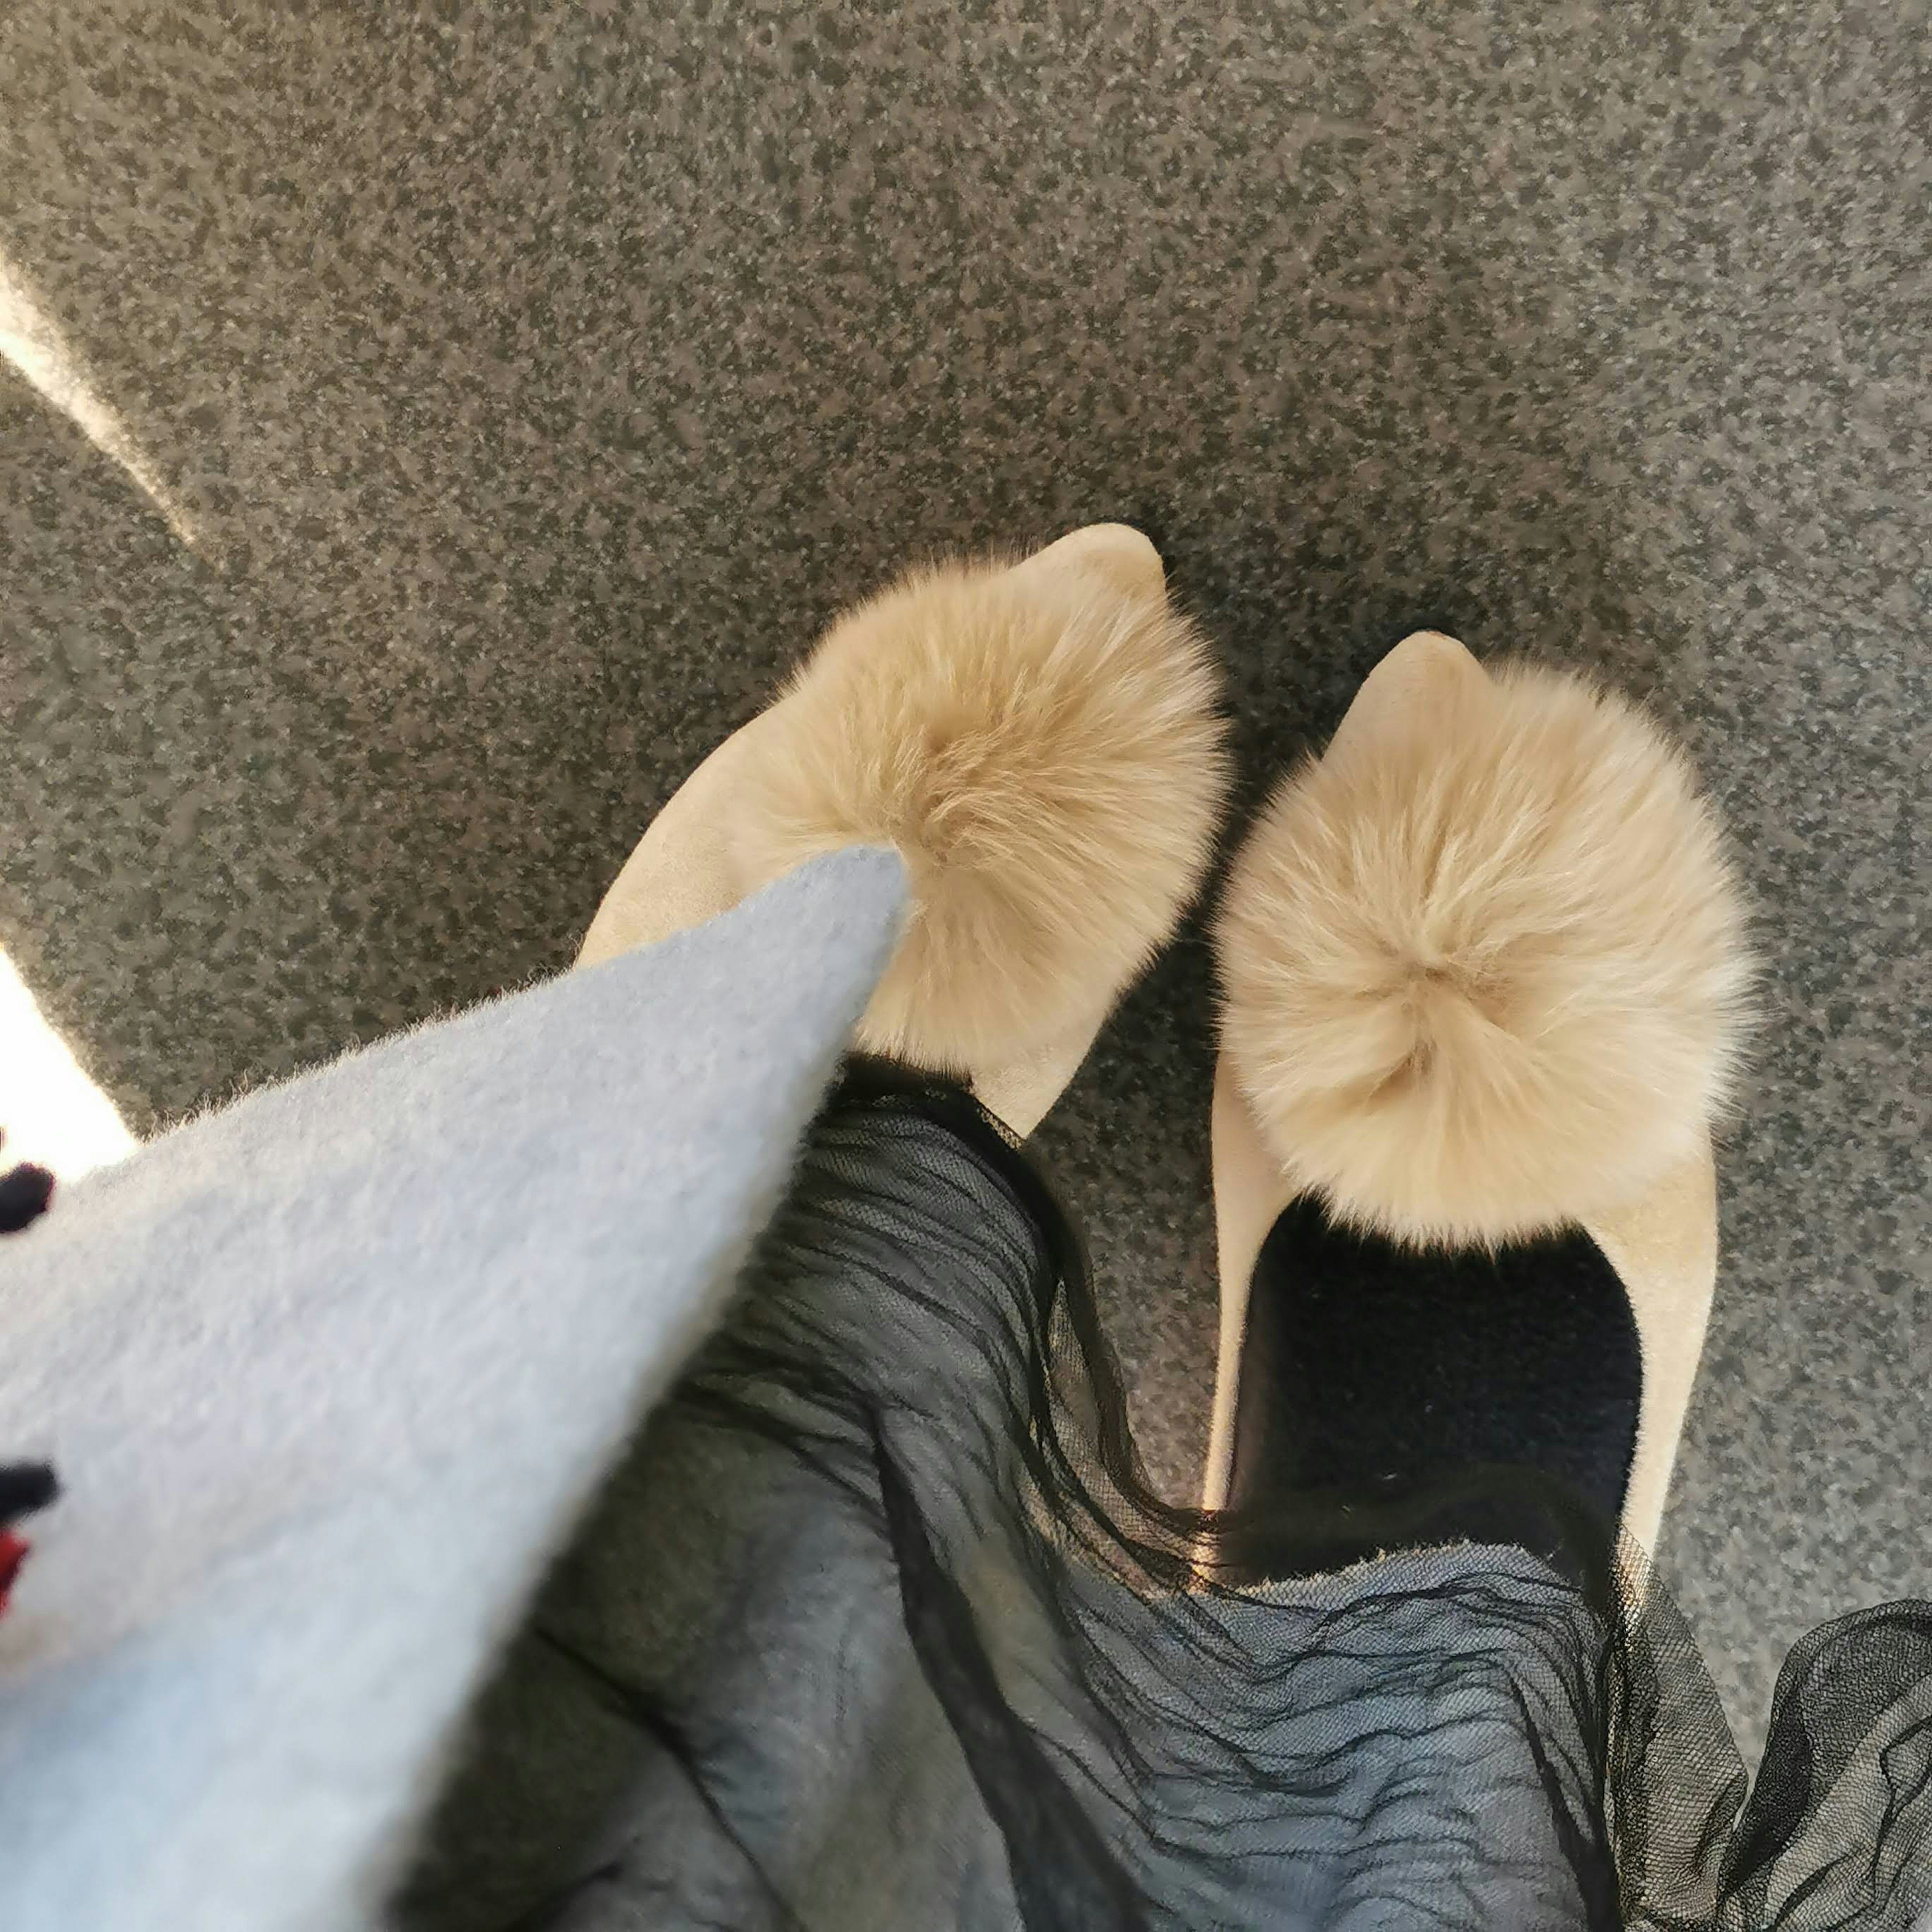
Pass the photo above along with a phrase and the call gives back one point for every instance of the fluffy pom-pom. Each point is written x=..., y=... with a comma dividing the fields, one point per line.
x=1485, y=973
x=1044, y=750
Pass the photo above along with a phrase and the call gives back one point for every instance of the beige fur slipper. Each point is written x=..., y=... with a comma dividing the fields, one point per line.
x=1041, y=743
x=1484, y=969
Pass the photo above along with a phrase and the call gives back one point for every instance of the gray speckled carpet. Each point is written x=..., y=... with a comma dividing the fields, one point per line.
x=534, y=381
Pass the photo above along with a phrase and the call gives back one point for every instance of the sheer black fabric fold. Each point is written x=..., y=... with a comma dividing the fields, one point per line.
x=880, y=1627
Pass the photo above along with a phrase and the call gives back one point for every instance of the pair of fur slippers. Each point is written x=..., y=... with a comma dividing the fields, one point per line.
x=1482, y=962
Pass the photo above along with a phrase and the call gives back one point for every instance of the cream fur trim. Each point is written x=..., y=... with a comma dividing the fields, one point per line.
x=1044, y=750
x=1485, y=973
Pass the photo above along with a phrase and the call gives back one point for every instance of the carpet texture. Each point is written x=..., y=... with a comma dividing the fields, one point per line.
x=500, y=397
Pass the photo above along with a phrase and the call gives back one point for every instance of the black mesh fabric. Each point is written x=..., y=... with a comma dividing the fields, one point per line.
x=879, y=1626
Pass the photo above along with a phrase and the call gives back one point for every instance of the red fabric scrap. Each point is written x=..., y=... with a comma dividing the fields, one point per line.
x=14, y=1550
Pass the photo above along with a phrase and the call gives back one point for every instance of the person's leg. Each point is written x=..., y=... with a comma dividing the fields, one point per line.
x=1483, y=963
x=1041, y=745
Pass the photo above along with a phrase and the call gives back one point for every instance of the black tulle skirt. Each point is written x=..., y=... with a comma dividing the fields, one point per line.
x=880, y=1627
